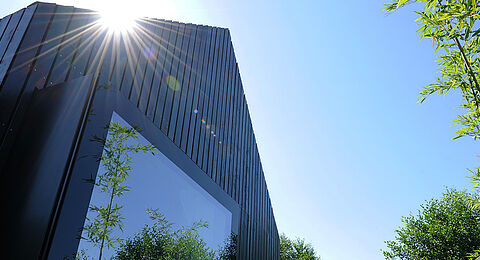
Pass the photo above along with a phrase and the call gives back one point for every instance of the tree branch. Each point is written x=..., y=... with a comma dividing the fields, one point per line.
x=469, y=69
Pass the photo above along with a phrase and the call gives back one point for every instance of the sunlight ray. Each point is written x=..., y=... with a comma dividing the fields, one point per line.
x=64, y=43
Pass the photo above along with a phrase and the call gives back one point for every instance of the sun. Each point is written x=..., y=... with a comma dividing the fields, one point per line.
x=118, y=19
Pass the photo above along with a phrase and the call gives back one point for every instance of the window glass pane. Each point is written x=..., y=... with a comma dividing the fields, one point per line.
x=155, y=182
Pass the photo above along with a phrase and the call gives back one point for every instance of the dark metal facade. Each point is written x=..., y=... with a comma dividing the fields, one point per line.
x=181, y=78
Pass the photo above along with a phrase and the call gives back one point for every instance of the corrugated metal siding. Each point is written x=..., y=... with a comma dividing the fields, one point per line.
x=183, y=77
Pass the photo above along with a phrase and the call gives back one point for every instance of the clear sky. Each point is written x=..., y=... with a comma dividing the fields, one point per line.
x=332, y=89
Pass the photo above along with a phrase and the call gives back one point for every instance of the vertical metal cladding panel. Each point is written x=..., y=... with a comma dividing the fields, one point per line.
x=149, y=91
x=253, y=174
x=218, y=151
x=239, y=152
x=34, y=71
x=132, y=57
x=170, y=78
x=266, y=208
x=143, y=42
x=17, y=24
x=11, y=45
x=236, y=139
x=246, y=162
x=240, y=253
x=250, y=172
x=233, y=142
x=207, y=88
x=242, y=237
x=106, y=60
x=86, y=37
x=175, y=81
x=251, y=237
x=231, y=132
x=97, y=57
x=248, y=168
x=201, y=78
x=212, y=136
x=236, y=147
x=221, y=118
x=101, y=62
x=256, y=176
x=189, y=96
x=256, y=195
x=224, y=142
x=242, y=155
x=211, y=102
x=260, y=209
x=211, y=85
x=3, y=26
x=157, y=100
x=250, y=184
x=183, y=109
x=261, y=215
x=267, y=219
x=65, y=55
x=151, y=52
x=218, y=114
x=120, y=61
x=180, y=87
x=164, y=101
x=227, y=159
x=229, y=121
x=231, y=138
x=7, y=25
x=13, y=87
x=197, y=76
x=246, y=235
x=48, y=51
x=205, y=92
x=213, y=105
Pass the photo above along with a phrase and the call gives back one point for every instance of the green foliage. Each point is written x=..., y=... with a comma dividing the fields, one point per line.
x=229, y=250
x=443, y=228
x=116, y=160
x=161, y=241
x=296, y=249
x=475, y=255
x=451, y=26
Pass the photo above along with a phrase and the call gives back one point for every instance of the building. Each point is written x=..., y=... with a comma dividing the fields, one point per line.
x=64, y=78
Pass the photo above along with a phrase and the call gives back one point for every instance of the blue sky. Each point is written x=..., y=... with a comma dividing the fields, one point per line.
x=332, y=89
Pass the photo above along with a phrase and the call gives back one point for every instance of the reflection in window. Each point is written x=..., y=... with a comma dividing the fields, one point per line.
x=155, y=202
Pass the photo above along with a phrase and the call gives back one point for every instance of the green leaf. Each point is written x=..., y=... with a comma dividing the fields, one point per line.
x=401, y=2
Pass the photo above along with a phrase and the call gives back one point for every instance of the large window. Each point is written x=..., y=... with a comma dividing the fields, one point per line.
x=154, y=185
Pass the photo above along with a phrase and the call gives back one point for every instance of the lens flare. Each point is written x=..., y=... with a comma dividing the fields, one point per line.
x=172, y=83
